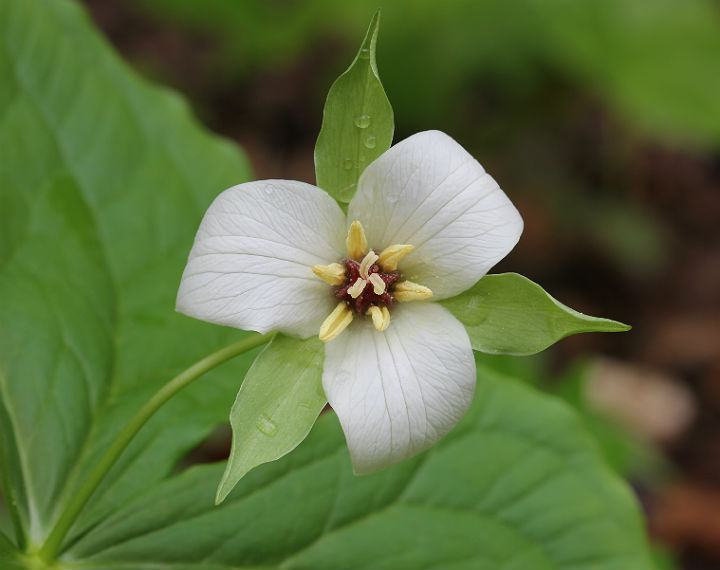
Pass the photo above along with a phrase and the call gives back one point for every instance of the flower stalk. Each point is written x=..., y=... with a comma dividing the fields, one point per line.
x=53, y=543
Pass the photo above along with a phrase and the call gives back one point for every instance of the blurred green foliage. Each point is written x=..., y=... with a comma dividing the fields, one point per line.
x=654, y=61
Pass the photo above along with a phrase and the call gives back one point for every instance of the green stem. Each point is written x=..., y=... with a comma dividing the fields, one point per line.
x=52, y=545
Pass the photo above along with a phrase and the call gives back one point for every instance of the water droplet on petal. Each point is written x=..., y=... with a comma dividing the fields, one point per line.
x=348, y=164
x=370, y=142
x=343, y=376
x=363, y=121
x=266, y=426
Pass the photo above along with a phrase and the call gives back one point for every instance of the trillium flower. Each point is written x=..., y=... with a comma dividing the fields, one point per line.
x=426, y=223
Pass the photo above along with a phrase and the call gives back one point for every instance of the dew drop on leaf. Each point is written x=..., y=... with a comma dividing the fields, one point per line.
x=348, y=164
x=364, y=53
x=370, y=142
x=266, y=426
x=362, y=121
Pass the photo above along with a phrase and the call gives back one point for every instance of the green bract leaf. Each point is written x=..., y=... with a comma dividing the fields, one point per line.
x=278, y=403
x=509, y=314
x=103, y=180
x=517, y=484
x=357, y=123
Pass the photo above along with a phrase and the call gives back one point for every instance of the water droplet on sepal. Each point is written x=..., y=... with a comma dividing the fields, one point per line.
x=266, y=426
x=347, y=192
x=363, y=121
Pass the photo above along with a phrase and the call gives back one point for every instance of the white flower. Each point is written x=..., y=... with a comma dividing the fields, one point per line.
x=426, y=222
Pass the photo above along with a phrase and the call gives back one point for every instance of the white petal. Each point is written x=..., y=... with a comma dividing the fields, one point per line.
x=427, y=191
x=398, y=392
x=250, y=265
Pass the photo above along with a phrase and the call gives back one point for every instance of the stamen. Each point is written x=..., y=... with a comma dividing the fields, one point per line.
x=391, y=255
x=357, y=288
x=356, y=242
x=386, y=317
x=333, y=274
x=409, y=291
x=378, y=284
x=380, y=317
x=367, y=262
x=335, y=323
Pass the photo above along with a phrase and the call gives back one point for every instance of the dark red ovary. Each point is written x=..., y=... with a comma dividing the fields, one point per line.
x=368, y=296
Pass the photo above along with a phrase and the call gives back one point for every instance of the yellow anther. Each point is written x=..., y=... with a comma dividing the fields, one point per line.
x=356, y=242
x=409, y=291
x=378, y=284
x=367, y=262
x=380, y=317
x=333, y=274
x=391, y=255
x=357, y=288
x=336, y=323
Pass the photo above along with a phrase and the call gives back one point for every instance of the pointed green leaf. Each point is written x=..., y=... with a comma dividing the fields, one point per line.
x=357, y=123
x=509, y=314
x=518, y=484
x=277, y=404
x=103, y=181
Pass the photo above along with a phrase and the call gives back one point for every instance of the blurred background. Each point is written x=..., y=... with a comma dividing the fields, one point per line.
x=600, y=119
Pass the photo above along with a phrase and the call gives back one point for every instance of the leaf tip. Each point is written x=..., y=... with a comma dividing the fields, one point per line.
x=222, y=493
x=367, y=48
x=226, y=485
x=617, y=326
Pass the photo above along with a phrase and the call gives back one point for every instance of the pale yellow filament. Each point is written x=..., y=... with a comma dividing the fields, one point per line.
x=335, y=323
x=378, y=284
x=333, y=274
x=367, y=262
x=409, y=291
x=356, y=242
x=357, y=288
x=391, y=255
x=380, y=317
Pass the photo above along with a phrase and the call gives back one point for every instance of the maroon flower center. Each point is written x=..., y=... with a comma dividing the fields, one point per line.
x=367, y=297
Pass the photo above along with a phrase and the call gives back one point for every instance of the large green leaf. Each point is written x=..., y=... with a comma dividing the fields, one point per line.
x=518, y=484
x=357, y=123
x=103, y=181
x=509, y=314
x=277, y=404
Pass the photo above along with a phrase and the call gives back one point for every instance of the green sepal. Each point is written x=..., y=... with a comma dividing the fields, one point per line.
x=357, y=124
x=509, y=314
x=276, y=406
